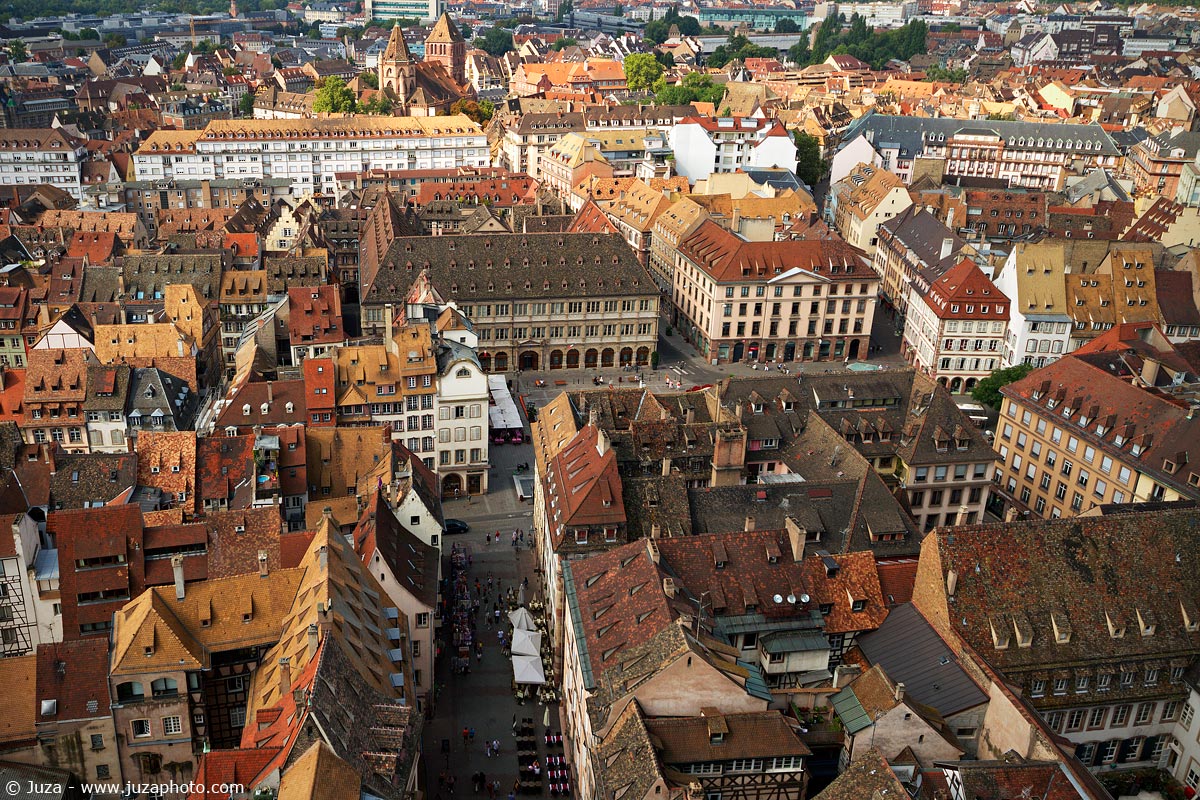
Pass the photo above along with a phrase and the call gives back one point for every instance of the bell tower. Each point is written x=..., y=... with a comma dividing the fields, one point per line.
x=447, y=46
x=397, y=70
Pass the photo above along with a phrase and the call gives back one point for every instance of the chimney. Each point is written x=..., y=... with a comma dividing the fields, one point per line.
x=178, y=341
x=602, y=442
x=947, y=248
x=652, y=549
x=749, y=525
x=177, y=568
x=899, y=691
x=666, y=466
x=737, y=218
x=843, y=674
x=323, y=557
x=669, y=587
x=314, y=639
x=797, y=537
x=655, y=531
x=270, y=392
x=1150, y=369
x=689, y=416
x=285, y=676
x=388, y=321
x=262, y=563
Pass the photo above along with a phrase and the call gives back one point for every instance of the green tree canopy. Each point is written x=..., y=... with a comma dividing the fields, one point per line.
x=987, y=391
x=18, y=51
x=246, y=105
x=810, y=167
x=696, y=88
x=496, y=41
x=480, y=111
x=786, y=25
x=370, y=78
x=334, y=97
x=563, y=42
x=658, y=30
x=641, y=71
x=944, y=75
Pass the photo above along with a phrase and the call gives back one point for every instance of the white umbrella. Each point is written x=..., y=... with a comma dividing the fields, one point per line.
x=522, y=619
x=526, y=643
x=546, y=718
x=521, y=595
x=528, y=669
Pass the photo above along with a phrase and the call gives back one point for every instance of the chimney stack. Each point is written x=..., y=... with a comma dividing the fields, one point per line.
x=262, y=563
x=899, y=692
x=177, y=568
x=270, y=392
x=689, y=416
x=314, y=639
x=388, y=321
x=323, y=557
x=797, y=537
x=285, y=676
x=666, y=466
x=947, y=248
x=750, y=525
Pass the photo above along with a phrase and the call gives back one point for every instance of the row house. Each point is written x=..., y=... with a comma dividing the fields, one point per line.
x=1156, y=164
x=527, y=139
x=243, y=297
x=536, y=301
x=1107, y=424
x=149, y=198
x=955, y=332
x=704, y=145
x=56, y=388
x=1034, y=155
x=33, y=156
x=867, y=198
x=914, y=247
x=311, y=152
x=738, y=300
x=1093, y=619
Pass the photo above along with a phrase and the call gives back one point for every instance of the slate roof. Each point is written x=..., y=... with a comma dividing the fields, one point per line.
x=909, y=133
x=489, y=268
x=148, y=275
x=762, y=734
x=913, y=654
x=868, y=776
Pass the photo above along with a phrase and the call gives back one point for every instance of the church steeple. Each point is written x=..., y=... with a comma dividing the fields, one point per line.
x=397, y=69
x=445, y=44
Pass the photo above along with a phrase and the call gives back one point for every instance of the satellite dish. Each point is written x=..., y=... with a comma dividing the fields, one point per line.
x=791, y=598
x=804, y=598
x=778, y=599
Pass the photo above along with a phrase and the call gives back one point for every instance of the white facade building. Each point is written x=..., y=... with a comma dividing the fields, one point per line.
x=462, y=421
x=32, y=156
x=704, y=145
x=310, y=152
x=1039, y=328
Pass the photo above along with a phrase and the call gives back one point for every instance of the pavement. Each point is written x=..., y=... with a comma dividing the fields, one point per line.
x=483, y=699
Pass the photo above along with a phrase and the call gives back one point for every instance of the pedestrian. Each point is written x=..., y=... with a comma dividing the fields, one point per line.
x=521, y=538
x=487, y=539
x=496, y=743
x=472, y=734
x=487, y=747
x=466, y=734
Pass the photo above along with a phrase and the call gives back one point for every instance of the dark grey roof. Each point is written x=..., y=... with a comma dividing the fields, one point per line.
x=151, y=389
x=1095, y=181
x=909, y=134
x=922, y=234
x=778, y=178
x=147, y=276
x=1128, y=138
x=913, y=654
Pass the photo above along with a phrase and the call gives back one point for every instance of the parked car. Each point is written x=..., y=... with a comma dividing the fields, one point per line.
x=456, y=526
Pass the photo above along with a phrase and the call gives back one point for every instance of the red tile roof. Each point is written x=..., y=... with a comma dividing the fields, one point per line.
x=966, y=288
x=727, y=257
x=74, y=674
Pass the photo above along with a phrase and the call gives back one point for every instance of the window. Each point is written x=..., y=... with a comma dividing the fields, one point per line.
x=1075, y=719
x=1120, y=716
x=140, y=728
x=1170, y=710
x=1185, y=718
x=1145, y=712
x=237, y=716
x=164, y=687
x=129, y=692
x=97, y=741
x=1096, y=718
x=1060, y=685
x=1037, y=688
x=423, y=619
x=172, y=726
x=102, y=772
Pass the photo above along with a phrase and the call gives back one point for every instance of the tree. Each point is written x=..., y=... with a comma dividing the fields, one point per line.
x=944, y=75
x=618, y=11
x=799, y=53
x=563, y=43
x=178, y=62
x=369, y=78
x=987, y=391
x=786, y=25
x=666, y=59
x=229, y=72
x=246, y=105
x=739, y=49
x=89, y=34
x=334, y=97
x=466, y=31
x=116, y=40
x=496, y=41
x=696, y=88
x=480, y=111
x=641, y=71
x=565, y=7
x=810, y=167
x=18, y=51
x=378, y=104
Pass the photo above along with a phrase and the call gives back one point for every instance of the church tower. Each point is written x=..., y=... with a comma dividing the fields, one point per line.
x=397, y=70
x=447, y=46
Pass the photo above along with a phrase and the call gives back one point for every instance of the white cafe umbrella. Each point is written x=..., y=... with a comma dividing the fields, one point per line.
x=526, y=643
x=528, y=669
x=522, y=619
